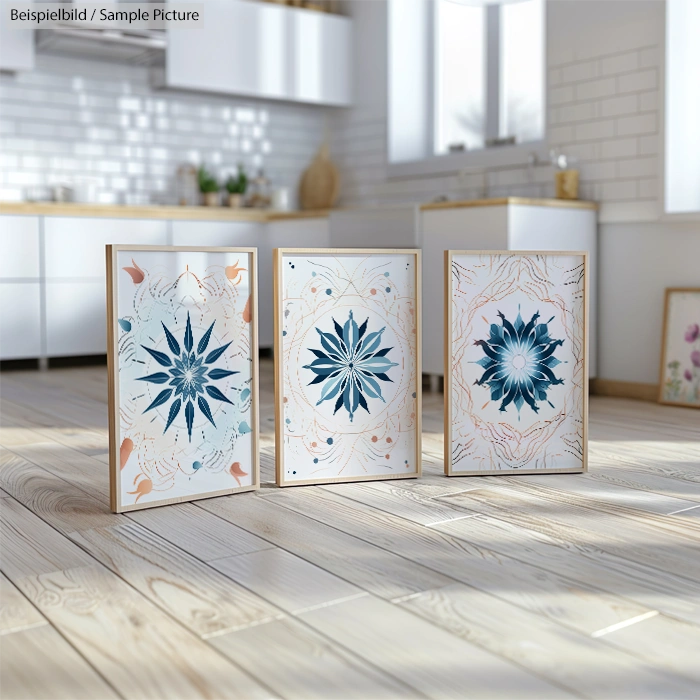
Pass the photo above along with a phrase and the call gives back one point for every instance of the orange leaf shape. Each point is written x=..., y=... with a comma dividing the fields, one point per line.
x=232, y=271
x=142, y=488
x=235, y=471
x=247, y=312
x=135, y=272
x=125, y=451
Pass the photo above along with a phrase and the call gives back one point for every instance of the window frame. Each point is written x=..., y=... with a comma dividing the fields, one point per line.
x=519, y=154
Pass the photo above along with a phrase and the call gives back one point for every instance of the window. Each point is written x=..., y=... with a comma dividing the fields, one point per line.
x=682, y=137
x=460, y=76
x=466, y=77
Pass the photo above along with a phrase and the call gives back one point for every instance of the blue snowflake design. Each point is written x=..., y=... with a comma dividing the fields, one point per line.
x=349, y=366
x=518, y=362
x=189, y=374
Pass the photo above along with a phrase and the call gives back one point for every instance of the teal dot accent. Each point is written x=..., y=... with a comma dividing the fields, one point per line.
x=330, y=441
x=329, y=291
x=388, y=289
x=386, y=274
x=315, y=460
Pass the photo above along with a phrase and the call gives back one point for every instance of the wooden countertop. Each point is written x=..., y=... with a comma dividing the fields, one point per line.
x=115, y=211
x=503, y=201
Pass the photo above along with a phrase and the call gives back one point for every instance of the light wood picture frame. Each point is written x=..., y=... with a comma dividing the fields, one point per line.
x=516, y=362
x=679, y=370
x=336, y=422
x=182, y=360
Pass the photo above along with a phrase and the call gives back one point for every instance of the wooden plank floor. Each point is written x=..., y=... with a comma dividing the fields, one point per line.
x=493, y=587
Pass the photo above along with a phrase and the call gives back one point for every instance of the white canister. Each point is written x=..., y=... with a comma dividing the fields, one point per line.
x=280, y=199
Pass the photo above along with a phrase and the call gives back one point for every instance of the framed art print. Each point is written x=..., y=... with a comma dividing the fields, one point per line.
x=679, y=384
x=516, y=389
x=347, y=365
x=183, y=373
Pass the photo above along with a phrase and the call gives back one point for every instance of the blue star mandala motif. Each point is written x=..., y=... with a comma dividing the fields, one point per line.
x=189, y=373
x=349, y=366
x=518, y=362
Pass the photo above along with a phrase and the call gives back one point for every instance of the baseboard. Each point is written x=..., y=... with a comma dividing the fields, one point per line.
x=624, y=390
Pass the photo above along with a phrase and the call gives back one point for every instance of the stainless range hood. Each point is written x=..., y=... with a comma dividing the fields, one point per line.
x=117, y=42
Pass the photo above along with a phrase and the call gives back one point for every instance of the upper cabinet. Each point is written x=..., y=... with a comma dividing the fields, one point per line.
x=263, y=50
x=320, y=69
x=16, y=45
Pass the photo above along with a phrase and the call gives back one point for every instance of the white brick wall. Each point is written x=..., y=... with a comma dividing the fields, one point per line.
x=70, y=120
x=603, y=110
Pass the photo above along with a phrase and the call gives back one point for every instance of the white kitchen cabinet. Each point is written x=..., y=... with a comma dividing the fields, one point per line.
x=75, y=246
x=514, y=224
x=19, y=247
x=20, y=320
x=20, y=287
x=263, y=50
x=16, y=45
x=76, y=318
x=321, y=65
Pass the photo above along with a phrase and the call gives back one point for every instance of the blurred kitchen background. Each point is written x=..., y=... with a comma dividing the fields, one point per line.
x=385, y=122
x=115, y=113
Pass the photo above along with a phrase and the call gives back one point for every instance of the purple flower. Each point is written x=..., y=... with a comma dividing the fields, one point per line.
x=695, y=357
x=688, y=375
x=693, y=333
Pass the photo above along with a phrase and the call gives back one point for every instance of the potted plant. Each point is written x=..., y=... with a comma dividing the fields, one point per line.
x=236, y=186
x=208, y=186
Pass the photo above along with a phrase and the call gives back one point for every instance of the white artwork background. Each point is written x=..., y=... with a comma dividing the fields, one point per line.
x=157, y=289
x=318, y=290
x=484, y=438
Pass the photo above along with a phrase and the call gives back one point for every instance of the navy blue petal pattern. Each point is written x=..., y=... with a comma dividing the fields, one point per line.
x=518, y=362
x=188, y=376
x=349, y=365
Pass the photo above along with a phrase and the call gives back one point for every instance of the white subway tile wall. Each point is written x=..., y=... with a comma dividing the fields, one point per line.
x=71, y=120
x=603, y=111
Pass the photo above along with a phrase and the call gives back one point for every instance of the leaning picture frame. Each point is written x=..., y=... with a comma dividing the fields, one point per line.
x=516, y=362
x=679, y=370
x=347, y=364
x=182, y=355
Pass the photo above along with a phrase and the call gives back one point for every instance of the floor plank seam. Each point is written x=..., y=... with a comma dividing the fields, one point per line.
x=451, y=520
x=625, y=623
x=331, y=603
x=683, y=510
x=239, y=628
